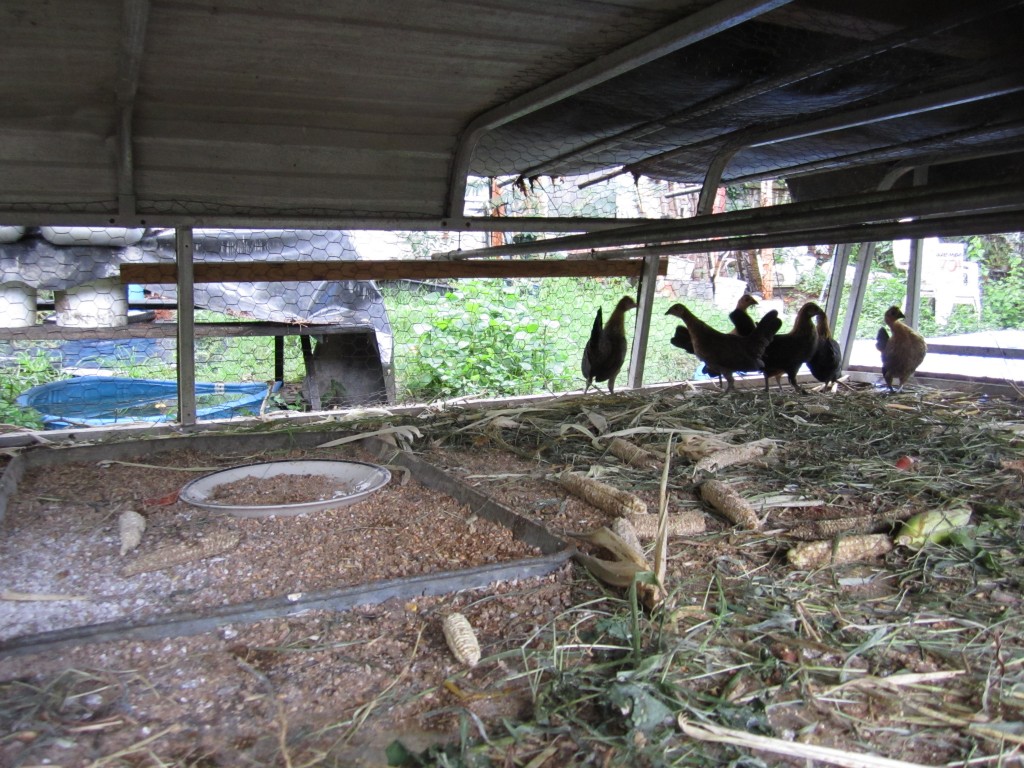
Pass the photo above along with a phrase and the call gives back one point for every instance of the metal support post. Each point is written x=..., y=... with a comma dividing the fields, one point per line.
x=185, y=248
x=645, y=307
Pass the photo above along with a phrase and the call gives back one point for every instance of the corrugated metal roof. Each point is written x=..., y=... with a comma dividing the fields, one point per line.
x=329, y=110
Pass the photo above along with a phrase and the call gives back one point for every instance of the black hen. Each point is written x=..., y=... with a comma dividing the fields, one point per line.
x=826, y=364
x=743, y=325
x=789, y=351
x=606, y=350
x=727, y=352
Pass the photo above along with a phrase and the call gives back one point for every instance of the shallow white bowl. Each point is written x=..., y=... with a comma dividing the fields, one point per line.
x=361, y=479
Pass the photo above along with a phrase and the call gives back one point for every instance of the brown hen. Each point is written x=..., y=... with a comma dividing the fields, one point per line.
x=902, y=352
x=727, y=353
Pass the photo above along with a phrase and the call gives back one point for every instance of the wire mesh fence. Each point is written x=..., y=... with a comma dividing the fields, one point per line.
x=89, y=317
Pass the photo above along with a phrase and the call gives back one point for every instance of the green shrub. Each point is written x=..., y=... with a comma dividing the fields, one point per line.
x=481, y=339
x=27, y=370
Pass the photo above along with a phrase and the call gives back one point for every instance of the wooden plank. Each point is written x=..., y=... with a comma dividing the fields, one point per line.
x=170, y=330
x=964, y=350
x=405, y=269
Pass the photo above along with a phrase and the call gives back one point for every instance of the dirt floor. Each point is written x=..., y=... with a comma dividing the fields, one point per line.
x=743, y=640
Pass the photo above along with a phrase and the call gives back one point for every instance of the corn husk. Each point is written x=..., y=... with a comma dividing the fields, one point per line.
x=131, y=525
x=623, y=527
x=816, y=554
x=932, y=526
x=620, y=548
x=615, y=573
x=729, y=504
x=602, y=495
x=629, y=560
x=461, y=639
x=696, y=445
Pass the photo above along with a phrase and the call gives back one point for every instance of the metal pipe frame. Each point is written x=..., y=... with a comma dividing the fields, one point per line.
x=810, y=216
x=469, y=224
x=185, y=251
x=970, y=224
x=694, y=28
x=642, y=331
x=134, y=19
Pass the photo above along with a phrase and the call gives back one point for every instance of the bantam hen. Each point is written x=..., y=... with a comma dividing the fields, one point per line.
x=788, y=351
x=606, y=350
x=902, y=352
x=826, y=364
x=727, y=353
x=742, y=323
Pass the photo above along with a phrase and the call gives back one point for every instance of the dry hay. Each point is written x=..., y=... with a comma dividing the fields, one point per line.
x=913, y=655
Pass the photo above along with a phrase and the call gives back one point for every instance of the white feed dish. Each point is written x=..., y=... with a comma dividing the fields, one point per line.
x=356, y=479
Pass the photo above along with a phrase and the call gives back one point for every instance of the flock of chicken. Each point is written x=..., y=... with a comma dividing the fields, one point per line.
x=756, y=345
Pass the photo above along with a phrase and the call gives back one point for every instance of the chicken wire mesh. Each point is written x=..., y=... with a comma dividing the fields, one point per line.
x=95, y=308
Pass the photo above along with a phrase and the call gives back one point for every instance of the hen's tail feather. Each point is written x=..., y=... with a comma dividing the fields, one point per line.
x=595, y=332
x=881, y=340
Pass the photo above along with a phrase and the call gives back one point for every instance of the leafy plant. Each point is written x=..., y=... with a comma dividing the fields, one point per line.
x=480, y=340
x=27, y=370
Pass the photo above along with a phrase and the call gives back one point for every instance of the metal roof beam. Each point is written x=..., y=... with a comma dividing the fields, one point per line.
x=135, y=15
x=977, y=143
x=694, y=28
x=693, y=112
x=833, y=122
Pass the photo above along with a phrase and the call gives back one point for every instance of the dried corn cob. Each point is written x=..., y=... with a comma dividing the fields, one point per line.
x=734, y=454
x=461, y=639
x=131, y=526
x=212, y=544
x=601, y=495
x=633, y=455
x=684, y=523
x=824, y=529
x=815, y=554
x=730, y=504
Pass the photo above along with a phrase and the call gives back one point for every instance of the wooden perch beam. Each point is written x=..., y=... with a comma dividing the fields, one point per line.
x=405, y=269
